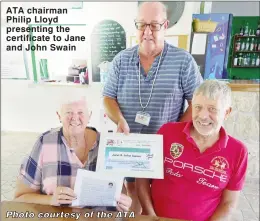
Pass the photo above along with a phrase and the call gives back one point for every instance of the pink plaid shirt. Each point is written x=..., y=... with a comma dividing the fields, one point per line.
x=53, y=163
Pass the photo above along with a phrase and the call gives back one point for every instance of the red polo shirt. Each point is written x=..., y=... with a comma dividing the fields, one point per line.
x=193, y=181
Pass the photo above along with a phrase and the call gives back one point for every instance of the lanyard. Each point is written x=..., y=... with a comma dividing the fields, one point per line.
x=140, y=99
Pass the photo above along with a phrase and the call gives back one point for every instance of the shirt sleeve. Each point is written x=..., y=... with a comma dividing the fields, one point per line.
x=111, y=86
x=31, y=168
x=191, y=77
x=238, y=176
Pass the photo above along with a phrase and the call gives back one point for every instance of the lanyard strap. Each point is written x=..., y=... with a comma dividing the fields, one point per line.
x=140, y=99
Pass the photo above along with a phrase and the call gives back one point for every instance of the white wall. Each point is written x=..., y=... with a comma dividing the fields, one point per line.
x=245, y=8
x=31, y=107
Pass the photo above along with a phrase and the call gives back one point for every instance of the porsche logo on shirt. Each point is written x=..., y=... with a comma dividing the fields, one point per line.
x=176, y=150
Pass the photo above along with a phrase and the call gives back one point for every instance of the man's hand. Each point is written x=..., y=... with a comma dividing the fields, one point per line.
x=62, y=195
x=122, y=126
x=124, y=203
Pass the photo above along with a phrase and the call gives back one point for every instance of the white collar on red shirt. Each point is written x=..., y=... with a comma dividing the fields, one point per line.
x=223, y=136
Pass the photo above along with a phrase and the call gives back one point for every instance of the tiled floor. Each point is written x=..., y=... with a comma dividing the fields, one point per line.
x=14, y=146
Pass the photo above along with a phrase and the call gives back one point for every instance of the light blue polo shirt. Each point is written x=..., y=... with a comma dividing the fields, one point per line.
x=177, y=78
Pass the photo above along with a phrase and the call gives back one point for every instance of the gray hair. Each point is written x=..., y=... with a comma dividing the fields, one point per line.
x=68, y=98
x=164, y=7
x=213, y=89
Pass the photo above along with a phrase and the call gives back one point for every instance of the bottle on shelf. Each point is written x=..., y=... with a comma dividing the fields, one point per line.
x=247, y=44
x=244, y=60
x=258, y=29
x=241, y=33
x=255, y=45
x=250, y=33
x=252, y=45
x=246, y=31
x=235, y=62
x=257, y=62
x=258, y=45
x=248, y=59
x=238, y=45
x=253, y=60
x=243, y=45
x=239, y=59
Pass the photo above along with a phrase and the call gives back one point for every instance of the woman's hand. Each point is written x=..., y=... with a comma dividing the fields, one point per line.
x=62, y=195
x=124, y=203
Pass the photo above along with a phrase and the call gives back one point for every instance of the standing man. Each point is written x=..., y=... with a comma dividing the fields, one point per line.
x=204, y=167
x=148, y=84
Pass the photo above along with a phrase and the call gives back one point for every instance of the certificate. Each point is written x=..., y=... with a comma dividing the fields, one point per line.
x=133, y=155
x=96, y=189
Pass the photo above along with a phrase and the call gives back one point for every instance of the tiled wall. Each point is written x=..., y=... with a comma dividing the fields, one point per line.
x=243, y=124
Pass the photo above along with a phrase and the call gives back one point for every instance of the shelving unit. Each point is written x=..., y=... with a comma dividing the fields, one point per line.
x=242, y=72
x=234, y=52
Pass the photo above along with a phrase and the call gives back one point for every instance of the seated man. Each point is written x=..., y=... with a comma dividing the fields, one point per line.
x=204, y=167
x=47, y=176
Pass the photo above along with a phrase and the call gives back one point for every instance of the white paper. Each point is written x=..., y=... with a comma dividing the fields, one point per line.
x=133, y=155
x=199, y=44
x=173, y=40
x=96, y=189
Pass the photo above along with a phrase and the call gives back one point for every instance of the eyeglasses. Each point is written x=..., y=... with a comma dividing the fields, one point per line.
x=153, y=26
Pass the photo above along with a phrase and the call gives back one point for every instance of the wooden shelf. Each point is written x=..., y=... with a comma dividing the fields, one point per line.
x=247, y=51
x=240, y=36
x=245, y=66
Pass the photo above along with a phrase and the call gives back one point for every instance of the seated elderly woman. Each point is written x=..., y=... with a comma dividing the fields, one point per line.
x=48, y=175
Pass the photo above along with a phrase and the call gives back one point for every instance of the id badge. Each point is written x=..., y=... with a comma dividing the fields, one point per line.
x=142, y=118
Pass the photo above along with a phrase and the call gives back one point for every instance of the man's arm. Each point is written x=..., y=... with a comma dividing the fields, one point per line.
x=114, y=113
x=144, y=195
x=187, y=115
x=112, y=109
x=227, y=205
